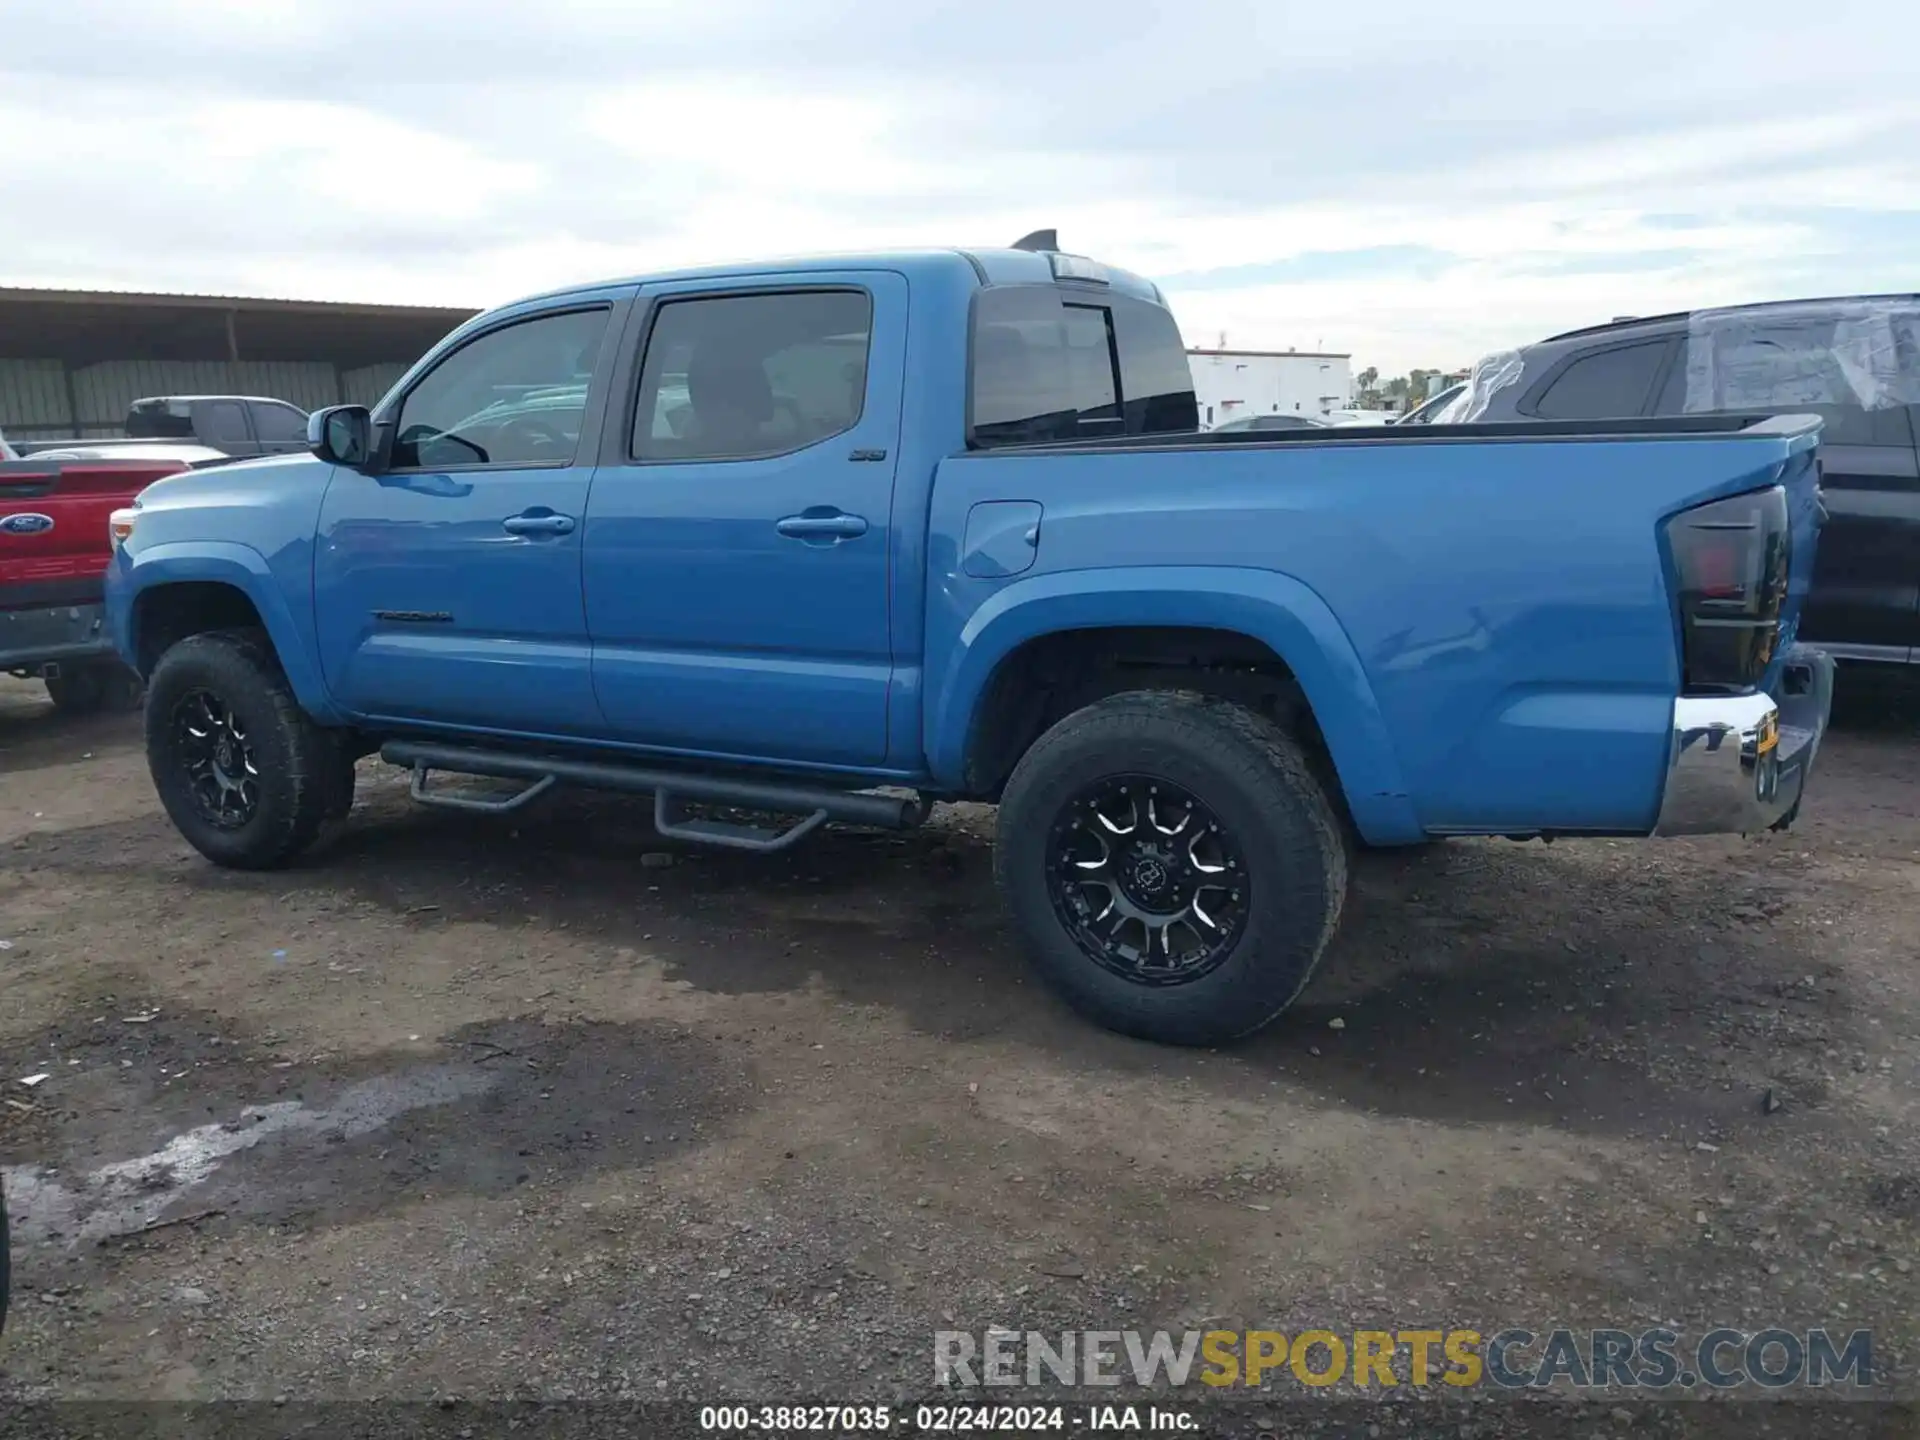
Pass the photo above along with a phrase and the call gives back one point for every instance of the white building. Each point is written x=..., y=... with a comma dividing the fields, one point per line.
x=1232, y=384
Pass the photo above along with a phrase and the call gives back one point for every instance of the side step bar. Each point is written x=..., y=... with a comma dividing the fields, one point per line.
x=815, y=806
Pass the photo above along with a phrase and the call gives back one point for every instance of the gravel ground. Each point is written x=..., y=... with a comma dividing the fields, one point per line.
x=544, y=1109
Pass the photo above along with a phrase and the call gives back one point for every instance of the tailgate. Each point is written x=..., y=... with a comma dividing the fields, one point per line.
x=54, y=545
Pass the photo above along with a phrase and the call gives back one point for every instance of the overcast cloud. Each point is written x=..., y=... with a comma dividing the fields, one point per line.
x=1414, y=183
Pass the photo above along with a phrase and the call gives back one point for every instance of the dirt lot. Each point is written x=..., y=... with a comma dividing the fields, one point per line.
x=543, y=1107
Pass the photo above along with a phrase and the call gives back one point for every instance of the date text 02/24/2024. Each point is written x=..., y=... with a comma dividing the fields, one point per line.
x=942, y=1419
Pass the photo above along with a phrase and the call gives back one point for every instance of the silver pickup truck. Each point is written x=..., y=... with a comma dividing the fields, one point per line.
x=239, y=426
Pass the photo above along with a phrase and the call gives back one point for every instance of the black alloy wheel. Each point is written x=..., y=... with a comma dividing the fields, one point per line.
x=223, y=770
x=1173, y=864
x=1147, y=880
x=245, y=775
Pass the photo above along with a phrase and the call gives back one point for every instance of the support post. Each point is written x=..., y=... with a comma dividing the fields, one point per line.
x=73, y=398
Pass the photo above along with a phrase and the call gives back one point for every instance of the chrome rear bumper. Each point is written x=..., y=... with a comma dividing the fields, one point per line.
x=1737, y=764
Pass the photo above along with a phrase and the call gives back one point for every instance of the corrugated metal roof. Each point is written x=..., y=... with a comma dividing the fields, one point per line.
x=22, y=294
x=83, y=327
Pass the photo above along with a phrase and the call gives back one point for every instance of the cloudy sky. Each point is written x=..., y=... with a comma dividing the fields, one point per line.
x=1415, y=183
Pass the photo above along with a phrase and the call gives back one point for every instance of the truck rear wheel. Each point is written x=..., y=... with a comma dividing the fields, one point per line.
x=1172, y=864
x=244, y=774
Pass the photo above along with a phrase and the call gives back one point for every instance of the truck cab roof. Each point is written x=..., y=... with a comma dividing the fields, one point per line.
x=1003, y=266
x=1628, y=325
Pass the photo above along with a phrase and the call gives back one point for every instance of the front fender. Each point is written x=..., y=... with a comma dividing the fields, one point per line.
x=1278, y=610
x=224, y=563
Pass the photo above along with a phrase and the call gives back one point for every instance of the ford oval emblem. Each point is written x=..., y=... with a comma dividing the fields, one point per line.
x=25, y=524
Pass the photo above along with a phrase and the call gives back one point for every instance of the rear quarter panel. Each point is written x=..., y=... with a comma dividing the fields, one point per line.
x=1483, y=627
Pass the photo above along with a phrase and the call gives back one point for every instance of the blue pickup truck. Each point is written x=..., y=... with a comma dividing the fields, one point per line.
x=834, y=539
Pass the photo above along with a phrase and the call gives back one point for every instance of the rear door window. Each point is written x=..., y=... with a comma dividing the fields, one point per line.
x=223, y=422
x=1606, y=384
x=740, y=377
x=279, y=424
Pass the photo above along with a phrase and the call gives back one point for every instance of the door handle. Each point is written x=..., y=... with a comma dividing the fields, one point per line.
x=822, y=527
x=538, y=524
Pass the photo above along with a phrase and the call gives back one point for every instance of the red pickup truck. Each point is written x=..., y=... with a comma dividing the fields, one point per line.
x=54, y=549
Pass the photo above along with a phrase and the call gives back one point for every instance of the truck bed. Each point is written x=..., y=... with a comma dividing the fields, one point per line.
x=1501, y=701
x=1631, y=428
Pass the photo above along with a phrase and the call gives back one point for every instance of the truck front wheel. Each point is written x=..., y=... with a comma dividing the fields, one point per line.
x=1174, y=866
x=244, y=774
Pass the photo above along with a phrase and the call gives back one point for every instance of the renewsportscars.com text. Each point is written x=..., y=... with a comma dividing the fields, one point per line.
x=1515, y=1358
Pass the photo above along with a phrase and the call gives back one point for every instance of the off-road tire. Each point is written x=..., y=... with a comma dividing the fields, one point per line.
x=305, y=778
x=92, y=686
x=1256, y=779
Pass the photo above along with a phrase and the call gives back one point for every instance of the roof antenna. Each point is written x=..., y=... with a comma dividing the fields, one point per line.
x=1040, y=240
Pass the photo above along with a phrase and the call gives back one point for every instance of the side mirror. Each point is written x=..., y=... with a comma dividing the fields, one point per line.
x=341, y=435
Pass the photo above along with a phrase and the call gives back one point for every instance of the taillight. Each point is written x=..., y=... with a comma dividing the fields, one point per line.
x=1730, y=558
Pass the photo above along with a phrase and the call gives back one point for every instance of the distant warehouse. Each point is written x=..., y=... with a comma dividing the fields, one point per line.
x=72, y=361
x=1233, y=384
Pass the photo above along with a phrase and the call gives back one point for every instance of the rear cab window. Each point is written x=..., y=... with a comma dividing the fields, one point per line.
x=160, y=420
x=1056, y=364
